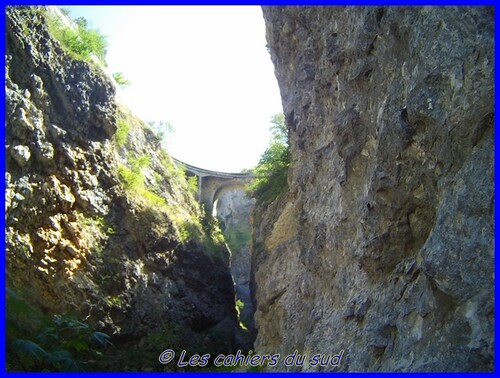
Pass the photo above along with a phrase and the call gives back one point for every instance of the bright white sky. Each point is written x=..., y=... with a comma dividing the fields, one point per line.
x=204, y=69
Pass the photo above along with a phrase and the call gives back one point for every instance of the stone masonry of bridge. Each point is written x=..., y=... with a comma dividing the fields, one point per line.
x=212, y=184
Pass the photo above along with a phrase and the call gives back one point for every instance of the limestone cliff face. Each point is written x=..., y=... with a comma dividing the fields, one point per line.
x=76, y=240
x=383, y=245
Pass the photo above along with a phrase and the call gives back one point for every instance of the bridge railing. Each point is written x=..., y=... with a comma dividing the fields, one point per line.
x=206, y=172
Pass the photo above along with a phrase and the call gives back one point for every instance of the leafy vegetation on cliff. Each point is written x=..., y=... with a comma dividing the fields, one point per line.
x=272, y=171
x=36, y=342
x=122, y=131
x=80, y=41
x=121, y=79
x=145, y=175
x=238, y=237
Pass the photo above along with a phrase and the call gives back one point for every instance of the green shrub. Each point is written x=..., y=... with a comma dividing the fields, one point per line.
x=36, y=342
x=192, y=183
x=240, y=305
x=174, y=172
x=133, y=178
x=130, y=179
x=122, y=132
x=272, y=171
x=167, y=163
x=238, y=237
x=177, y=176
x=152, y=198
x=205, y=232
x=191, y=230
x=214, y=242
x=120, y=79
x=140, y=162
x=79, y=41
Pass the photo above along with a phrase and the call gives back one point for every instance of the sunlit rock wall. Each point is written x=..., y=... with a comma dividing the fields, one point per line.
x=76, y=241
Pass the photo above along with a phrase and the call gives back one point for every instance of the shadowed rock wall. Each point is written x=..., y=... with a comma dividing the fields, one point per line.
x=383, y=245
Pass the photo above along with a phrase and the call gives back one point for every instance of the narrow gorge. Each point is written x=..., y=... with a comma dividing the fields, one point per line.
x=376, y=255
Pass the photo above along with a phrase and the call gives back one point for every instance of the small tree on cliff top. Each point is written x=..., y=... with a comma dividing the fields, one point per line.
x=272, y=171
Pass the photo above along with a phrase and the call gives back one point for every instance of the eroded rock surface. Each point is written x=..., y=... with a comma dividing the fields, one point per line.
x=383, y=245
x=76, y=241
x=233, y=209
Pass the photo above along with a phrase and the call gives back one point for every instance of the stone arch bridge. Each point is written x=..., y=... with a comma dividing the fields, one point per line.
x=213, y=184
